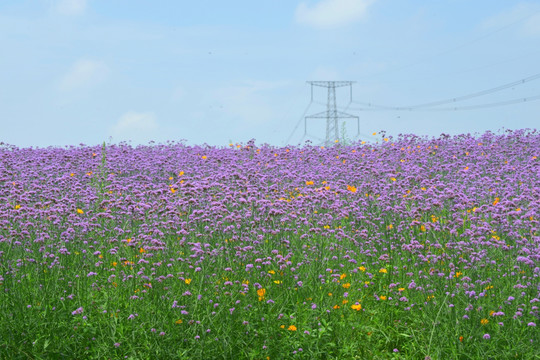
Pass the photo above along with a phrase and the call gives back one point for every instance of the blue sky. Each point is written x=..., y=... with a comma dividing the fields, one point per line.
x=88, y=71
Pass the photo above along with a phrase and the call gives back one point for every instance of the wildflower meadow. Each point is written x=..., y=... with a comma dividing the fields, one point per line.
x=408, y=248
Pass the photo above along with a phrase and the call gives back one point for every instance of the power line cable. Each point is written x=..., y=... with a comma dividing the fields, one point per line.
x=470, y=107
x=455, y=99
x=298, y=123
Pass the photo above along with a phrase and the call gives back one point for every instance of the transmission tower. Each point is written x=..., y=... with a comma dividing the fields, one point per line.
x=332, y=115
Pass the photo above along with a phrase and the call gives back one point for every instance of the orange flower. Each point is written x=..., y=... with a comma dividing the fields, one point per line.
x=187, y=281
x=382, y=297
x=79, y=211
x=346, y=286
x=261, y=292
x=356, y=307
x=351, y=188
x=179, y=321
x=141, y=250
x=484, y=321
x=461, y=339
x=309, y=182
x=291, y=328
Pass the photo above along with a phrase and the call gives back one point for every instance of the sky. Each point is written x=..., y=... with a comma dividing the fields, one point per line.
x=214, y=72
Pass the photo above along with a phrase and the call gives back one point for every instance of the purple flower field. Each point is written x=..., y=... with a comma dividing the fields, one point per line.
x=413, y=248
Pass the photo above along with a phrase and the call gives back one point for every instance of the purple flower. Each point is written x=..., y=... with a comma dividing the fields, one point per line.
x=116, y=344
x=531, y=324
x=78, y=311
x=486, y=336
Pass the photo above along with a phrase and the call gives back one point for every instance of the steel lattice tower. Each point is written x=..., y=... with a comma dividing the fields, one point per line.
x=332, y=115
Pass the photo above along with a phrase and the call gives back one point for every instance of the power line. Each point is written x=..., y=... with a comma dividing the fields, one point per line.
x=454, y=99
x=298, y=123
x=471, y=107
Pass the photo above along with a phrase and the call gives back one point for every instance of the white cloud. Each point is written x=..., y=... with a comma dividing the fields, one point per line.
x=71, y=7
x=332, y=13
x=135, y=126
x=84, y=73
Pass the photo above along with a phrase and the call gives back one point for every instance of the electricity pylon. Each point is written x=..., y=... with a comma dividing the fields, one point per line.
x=332, y=115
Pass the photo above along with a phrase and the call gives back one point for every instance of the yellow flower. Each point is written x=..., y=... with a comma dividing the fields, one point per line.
x=72, y=174
x=204, y=157
x=309, y=182
x=114, y=263
x=180, y=173
x=79, y=211
x=291, y=328
x=282, y=326
x=401, y=289
x=374, y=134
x=342, y=276
x=362, y=268
x=383, y=270
x=346, y=286
x=356, y=307
x=173, y=190
x=329, y=294
x=423, y=228
x=17, y=207
x=187, y=281
x=277, y=282
x=179, y=321
x=272, y=272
